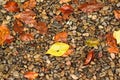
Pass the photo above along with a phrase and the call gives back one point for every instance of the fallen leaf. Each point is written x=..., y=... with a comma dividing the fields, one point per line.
x=58, y=18
x=41, y=27
x=69, y=51
x=27, y=16
x=26, y=37
x=112, y=55
x=90, y=7
x=92, y=42
x=89, y=57
x=4, y=33
x=18, y=26
x=58, y=49
x=31, y=75
x=117, y=14
x=30, y=4
x=64, y=1
x=116, y=35
x=62, y=36
x=111, y=42
x=11, y=6
x=9, y=39
x=66, y=11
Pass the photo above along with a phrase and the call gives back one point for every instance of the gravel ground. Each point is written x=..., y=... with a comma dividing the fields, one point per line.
x=19, y=57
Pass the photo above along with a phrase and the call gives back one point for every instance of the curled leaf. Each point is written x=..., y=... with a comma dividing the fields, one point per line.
x=26, y=37
x=62, y=36
x=89, y=57
x=31, y=75
x=58, y=49
x=92, y=42
x=11, y=6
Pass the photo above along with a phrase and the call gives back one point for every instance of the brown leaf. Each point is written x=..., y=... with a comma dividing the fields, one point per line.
x=117, y=14
x=62, y=36
x=27, y=16
x=41, y=27
x=30, y=4
x=89, y=57
x=9, y=39
x=26, y=37
x=66, y=11
x=90, y=7
x=58, y=18
x=111, y=42
x=18, y=26
x=31, y=75
x=11, y=6
x=4, y=33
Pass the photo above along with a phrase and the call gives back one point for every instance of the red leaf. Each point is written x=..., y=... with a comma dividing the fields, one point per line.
x=26, y=37
x=31, y=75
x=41, y=27
x=89, y=57
x=9, y=39
x=18, y=26
x=30, y=4
x=111, y=42
x=62, y=36
x=117, y=14
x=27, y=16
x=11, y=6
x=66, y=10
x=89, y=7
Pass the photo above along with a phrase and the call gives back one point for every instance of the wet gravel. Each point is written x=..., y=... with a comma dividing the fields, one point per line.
x=19, y=57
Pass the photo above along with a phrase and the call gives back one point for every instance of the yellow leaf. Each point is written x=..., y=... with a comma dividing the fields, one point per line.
x=58, y=49
x=116, y=35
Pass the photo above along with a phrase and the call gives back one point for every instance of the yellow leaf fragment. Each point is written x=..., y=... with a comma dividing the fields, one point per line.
x=116, y=35
x=92, y=42
x=58, y=49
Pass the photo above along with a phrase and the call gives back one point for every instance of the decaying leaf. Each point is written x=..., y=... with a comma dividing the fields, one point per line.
x=31, y=75
x=27, y=16
x=111, y=42
x=117, y=14
x=4, y=33
x=26, y=37
x=58, y=49
x=62, y=36
x=92, y=42
x=18, y=26
x=41, y=27
x=89, y=57
x=116, y=35
x=11, y=6
x=64, y=1
x=66, y=11
x=89, y=7
x=30, y=4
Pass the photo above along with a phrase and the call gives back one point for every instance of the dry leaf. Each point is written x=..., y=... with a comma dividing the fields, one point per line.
x=4, y=33
x=18, y=26
x=69, y=51
x=9, y=39
x=58, y=18
x=89, y=57
x=66, y=11
x=116, y=35
x=89, y=7
x=26, y=37
x=31, y=75
x=11, y=6
x=62, y=36
x=64, y=1
x=117, y=14
x=30, y=4
x=27, y=16
x=41, y=27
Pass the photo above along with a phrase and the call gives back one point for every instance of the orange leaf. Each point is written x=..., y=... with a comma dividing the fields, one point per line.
x=27, y=16
x=26, y=37
x=30, y=4
x=11, y=6
x=66, y=10
x=41, y=27
x=58, y=18
x=89, y=57
x=117, y=14
x=69, y=51
x=62, y=36
x=89, y=7
x=18, y=26
x=31, y=75
x=4, y=33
